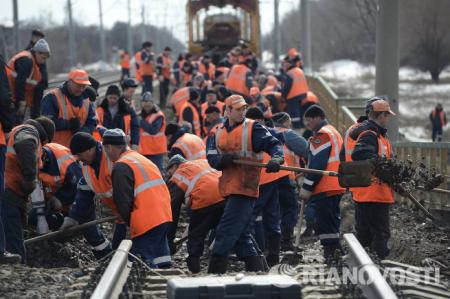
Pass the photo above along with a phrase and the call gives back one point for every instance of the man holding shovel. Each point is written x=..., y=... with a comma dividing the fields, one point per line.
x=324, y=148
x=372, y=203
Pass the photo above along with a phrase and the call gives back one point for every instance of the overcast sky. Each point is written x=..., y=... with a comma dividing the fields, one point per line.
x=162, y=13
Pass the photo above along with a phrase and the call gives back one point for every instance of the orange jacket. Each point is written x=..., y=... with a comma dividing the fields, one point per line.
x=151, y=205
x=196, y=118
x=179, y=98
x=153, y=144
x=210, y=71
x=299, y=85
x=199, y=182
x=237, y=79
x=2, y=136
x=31, y=82
x=64, y=159
x=377, y=191
x=239, y=179
x=290, y=158
x=310, y=98
x=13, y=171
x=125, y=61
x=67, y=111
x=329, y=183
x=138, y=63
x=191, y=146
x=147, y=69
x=266, y=178
x=166, y=67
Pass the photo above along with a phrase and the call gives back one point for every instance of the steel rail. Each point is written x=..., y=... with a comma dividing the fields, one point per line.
x=374, y=286
x=115, y=275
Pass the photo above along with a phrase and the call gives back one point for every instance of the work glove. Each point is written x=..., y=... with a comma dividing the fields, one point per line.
x=21, y=107
x=55, y=204
x=274, y=164
x=226, y=160
x=74, y=124
x=68, y=223
x=28, y=186
x=304, y=194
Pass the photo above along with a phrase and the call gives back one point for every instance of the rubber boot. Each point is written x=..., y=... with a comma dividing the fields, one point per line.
x=287, y=236
x=218, y=264
x=10, y=258
x=273, y=249
x=193, y=263
x=309, y=231
x=254, y=263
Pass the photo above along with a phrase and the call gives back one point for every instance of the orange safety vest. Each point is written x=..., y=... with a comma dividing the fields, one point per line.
x=210, y=71
x=238, y=179
x=30, y=83
x=68, y=111
x=64, y=159
x=299, y=84
x=349, y=143
x=146, y=68
x=138, y=63
x=205, y=106
x=179, y=98
x=153, y=144
x=13, y=170
x=195, y=120
x=310, y=98
x=441, y=116
x=212, y=131
x=377, y=191
x=151, y=205
x=290, y=158
x=2, y=136
x=191, y=146
x=329, y=183
x=236, y=81
x=166, y=67
x=266, y=178
x=199, y=182
x=100, y=112
x=125, y=61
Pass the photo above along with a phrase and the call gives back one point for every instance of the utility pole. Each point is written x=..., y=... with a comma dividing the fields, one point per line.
x=130, y=40
x=387, y=63
x=305, y=40
x=143, y=29
x=72, y=50
x=16, y=26
x=276, y=49
x=102, y=32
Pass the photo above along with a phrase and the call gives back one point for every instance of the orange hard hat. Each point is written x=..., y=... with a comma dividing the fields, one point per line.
x=382, y=106
x=79, y=76
x=235, y=101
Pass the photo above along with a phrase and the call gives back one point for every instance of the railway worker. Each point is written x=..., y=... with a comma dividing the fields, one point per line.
x=137, y=65
x=373, y=202
x=213, y=120
x=190, y=113
x=163, y=68
x=240, y=78
x=266, y=213
x=70, y=108
x=295, y=57
x=124, y=65
x=211, y=101
x=294, y=91
x=114, y=112
x=239, y=138
x=28, y=79
x=23, y=159
x=324, y=148
x=296, y=155
x=177, y=70
x=142, y=199
x=147, y=67
x=438, y=120
x=199, y=83
x=182, y=142
x=188, y=70
x=221, y=74
x=195, y=184
x=59, y=175
x=153, y=141
x=207, y=68
x=180, y=97
x=128, y=89
x=230, y=60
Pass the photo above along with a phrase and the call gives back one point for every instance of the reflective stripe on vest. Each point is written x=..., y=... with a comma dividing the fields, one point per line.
x=148, y=183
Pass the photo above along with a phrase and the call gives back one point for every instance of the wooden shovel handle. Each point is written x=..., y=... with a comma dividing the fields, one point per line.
x=289, y=168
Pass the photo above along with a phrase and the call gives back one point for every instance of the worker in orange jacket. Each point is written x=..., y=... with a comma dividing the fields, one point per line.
x=142, y=199
x=324, y=148
x=373, y=202
x=240, y=78
x=147, y=66
x=181, y=142
x=195, y=184
x=124, y=65
x=438, y=121
x=190, y=113
x=163, y=67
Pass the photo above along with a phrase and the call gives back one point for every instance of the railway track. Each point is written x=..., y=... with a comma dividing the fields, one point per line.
x=355, y=275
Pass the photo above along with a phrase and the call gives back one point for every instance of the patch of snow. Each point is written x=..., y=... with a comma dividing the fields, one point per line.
x=345, y=69
x=416, y=134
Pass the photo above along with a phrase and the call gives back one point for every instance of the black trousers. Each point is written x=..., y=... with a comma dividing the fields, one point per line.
x=372, y=226
x=201, y=222
x=163, y=92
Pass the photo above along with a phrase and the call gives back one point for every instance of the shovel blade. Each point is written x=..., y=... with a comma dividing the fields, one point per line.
x=355, y=173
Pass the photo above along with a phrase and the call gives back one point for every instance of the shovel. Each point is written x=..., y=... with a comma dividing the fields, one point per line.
x=349, y=174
